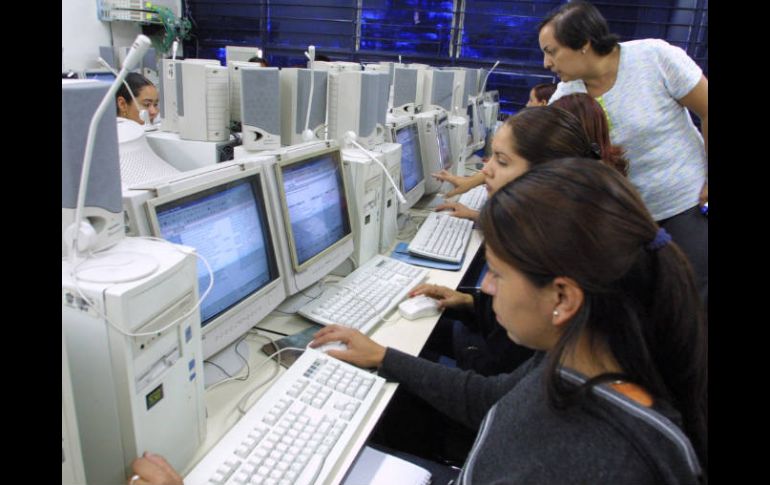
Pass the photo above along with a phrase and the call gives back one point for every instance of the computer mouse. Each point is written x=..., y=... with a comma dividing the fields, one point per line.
x=418, y=307
x=333, y=345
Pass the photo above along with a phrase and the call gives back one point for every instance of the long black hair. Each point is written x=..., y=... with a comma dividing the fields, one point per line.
x=583, y=220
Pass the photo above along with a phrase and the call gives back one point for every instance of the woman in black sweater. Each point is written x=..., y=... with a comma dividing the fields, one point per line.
x=617, y=389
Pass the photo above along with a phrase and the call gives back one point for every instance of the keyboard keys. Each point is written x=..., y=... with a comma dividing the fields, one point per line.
x=474, y=198
x=297, y=430
x=442, y=237
x=363, y=297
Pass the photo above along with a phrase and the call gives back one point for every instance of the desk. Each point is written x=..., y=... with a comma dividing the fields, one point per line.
x=406, y=335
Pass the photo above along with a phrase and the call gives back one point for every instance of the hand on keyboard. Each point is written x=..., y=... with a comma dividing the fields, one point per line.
x=447, y=297
x=459, y=210
x=362, y=351
x=297, y=431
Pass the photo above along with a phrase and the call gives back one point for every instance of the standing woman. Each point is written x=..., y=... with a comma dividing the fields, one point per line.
x=646, y=87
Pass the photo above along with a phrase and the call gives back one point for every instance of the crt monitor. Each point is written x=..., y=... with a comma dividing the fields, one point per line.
x=412, y=175
x=312, y=192
x=227, y=222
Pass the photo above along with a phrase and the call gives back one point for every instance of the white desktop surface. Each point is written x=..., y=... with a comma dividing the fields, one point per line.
x=406, y=335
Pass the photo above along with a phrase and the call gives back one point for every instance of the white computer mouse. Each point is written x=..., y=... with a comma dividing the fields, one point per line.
x=334, y=345
x=418, y=307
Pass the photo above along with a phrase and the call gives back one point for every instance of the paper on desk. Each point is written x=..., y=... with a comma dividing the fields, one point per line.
x=374, y=467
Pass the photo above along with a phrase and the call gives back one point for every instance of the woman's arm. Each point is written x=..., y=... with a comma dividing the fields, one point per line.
x=697, y=101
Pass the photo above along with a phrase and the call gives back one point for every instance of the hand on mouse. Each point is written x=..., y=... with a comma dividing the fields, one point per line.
x=447, y=297
x=362, y=351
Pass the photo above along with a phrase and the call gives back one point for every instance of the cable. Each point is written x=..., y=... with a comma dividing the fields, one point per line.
x=484, y=86
x=310, y=54
x=351, y=138
x=229, y=377
x=73, y=274
x=258, y=386
x=245, y=398
x=270, y=331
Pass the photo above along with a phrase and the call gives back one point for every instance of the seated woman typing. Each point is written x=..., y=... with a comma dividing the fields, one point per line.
x=475, y=340
x=617, y=389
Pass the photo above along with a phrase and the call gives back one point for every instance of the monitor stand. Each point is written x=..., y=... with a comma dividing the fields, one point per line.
x=225, y=361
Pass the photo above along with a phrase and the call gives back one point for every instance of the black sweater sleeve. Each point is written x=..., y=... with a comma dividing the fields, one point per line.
x=462, y=395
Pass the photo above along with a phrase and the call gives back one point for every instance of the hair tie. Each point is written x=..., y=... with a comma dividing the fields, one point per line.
x=596, y=150
x=661, y=239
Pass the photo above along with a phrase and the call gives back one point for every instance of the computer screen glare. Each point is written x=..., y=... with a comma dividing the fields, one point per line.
x=411, y=161
x=226, y=225
x=316, y=203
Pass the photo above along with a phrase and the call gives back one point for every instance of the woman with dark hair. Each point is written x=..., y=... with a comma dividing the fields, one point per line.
x=540, y=94
x=646, y=88
x=530, y=137
x=475, y=341
x=137, y=99
x=617, y=389
x=594, y=121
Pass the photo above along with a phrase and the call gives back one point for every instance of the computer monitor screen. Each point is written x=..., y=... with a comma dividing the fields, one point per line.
x=315, y=206
x=411, y=160
x=445, y=151
x=227, y=225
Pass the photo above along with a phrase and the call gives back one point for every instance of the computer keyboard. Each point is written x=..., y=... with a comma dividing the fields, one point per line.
x=442, y=237
x=297, y=430
x=364, y=296
x=474, y=198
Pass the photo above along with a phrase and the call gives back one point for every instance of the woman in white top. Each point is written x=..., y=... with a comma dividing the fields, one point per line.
x=645, y=87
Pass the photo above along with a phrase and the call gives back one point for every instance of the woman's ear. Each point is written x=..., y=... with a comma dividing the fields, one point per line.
x=569, y=299
x=122, y=105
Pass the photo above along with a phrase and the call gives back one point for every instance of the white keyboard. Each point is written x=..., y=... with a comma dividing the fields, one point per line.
x=297, y=430
x=442, y=237
x=474, y=198
x=364, y=296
